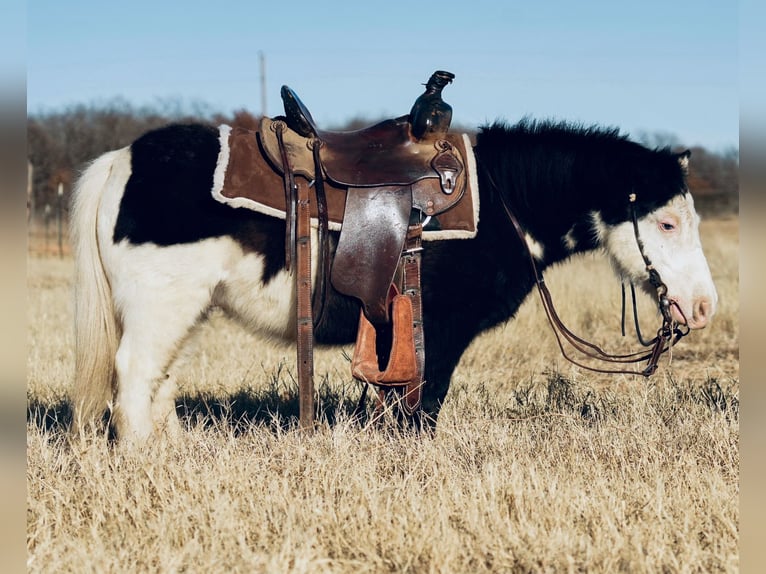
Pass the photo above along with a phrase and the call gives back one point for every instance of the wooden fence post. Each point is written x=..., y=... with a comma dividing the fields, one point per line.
x=60, y=218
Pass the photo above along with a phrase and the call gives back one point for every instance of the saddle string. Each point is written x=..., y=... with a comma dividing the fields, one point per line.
x=667, y=335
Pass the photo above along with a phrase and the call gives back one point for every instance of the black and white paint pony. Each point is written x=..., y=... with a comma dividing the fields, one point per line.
x=154, y=251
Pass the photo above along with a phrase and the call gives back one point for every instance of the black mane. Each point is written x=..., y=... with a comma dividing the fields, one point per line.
x=551, y=131
x=562, y=170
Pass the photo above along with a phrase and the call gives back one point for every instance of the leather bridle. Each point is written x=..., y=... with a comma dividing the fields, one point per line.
x=669, y=333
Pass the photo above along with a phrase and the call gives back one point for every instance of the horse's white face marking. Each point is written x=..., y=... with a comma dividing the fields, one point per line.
x=535, y=247
x=671, y=242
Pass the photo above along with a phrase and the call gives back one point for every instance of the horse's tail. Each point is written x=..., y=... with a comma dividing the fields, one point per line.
x=96, y=329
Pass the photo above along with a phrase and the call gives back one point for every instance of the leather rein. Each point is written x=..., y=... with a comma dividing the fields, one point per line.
x=669, y=333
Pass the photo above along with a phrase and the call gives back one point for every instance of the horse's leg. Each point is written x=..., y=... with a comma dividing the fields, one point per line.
x=164, y=417
x=446, y=340
x=151, y=338
x=161, y=293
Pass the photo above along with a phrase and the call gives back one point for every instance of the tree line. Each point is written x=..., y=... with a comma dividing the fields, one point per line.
x=60, y=143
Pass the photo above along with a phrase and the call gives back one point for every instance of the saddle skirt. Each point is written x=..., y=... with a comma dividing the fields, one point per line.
x=247, y=175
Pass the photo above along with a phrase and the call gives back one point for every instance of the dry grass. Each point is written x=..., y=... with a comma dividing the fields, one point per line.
x=536, y=465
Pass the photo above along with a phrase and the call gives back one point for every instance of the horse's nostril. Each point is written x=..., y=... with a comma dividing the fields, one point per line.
x=703, y=310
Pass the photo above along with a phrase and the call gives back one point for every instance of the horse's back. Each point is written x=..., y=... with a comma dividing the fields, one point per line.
x=167, y=199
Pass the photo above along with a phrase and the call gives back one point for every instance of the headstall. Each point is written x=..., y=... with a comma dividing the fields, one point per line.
x=669, y=333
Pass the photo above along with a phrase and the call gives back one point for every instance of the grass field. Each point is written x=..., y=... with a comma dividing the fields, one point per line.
x=536, y=466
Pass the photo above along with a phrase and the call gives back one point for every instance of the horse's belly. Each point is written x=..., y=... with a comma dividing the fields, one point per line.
x=263, y=307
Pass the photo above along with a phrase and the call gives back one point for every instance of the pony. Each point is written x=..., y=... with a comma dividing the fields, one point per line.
x=154, y=251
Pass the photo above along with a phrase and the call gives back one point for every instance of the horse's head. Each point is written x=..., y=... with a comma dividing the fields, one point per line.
x=671, y=242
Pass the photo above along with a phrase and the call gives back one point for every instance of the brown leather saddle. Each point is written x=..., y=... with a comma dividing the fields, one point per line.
x=379, y=186
x=386, y=176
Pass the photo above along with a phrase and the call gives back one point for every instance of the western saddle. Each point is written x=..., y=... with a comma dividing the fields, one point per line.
x=396, y=175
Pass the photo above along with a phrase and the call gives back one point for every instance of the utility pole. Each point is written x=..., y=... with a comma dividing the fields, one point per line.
x=262, y=59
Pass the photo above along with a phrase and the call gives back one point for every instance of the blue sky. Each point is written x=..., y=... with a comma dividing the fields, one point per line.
x=650, y=66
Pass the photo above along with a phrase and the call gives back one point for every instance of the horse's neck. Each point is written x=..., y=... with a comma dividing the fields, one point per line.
x=555, y=213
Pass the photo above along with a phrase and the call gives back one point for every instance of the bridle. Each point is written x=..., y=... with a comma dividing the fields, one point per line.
x=669, y=333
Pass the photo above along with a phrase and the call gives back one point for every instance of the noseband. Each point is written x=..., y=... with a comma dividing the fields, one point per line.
x=668, y=334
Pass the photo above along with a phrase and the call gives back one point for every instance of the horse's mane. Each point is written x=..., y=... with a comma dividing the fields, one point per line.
x=551, y=130
x=546, y=163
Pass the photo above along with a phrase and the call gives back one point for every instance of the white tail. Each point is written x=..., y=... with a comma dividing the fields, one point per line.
x=96, y=330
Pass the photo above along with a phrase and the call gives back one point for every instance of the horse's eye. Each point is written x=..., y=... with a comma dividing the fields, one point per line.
x=667, y=226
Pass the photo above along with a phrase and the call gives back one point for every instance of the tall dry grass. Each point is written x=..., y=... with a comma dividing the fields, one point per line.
x=536, y=465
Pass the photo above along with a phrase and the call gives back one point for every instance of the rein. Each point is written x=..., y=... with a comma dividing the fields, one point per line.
x=668, y=334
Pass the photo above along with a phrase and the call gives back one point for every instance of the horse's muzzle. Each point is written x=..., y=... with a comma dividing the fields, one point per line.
x=702, y=311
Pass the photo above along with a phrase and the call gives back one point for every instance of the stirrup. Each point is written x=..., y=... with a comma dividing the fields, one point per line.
x=402, y=367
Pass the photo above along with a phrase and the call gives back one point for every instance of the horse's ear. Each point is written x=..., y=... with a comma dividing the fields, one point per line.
x=683, y=160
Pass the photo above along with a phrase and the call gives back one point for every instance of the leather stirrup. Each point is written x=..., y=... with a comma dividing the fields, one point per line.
x=402, y=367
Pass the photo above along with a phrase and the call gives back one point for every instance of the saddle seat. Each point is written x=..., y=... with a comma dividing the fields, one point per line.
x=383, y=154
